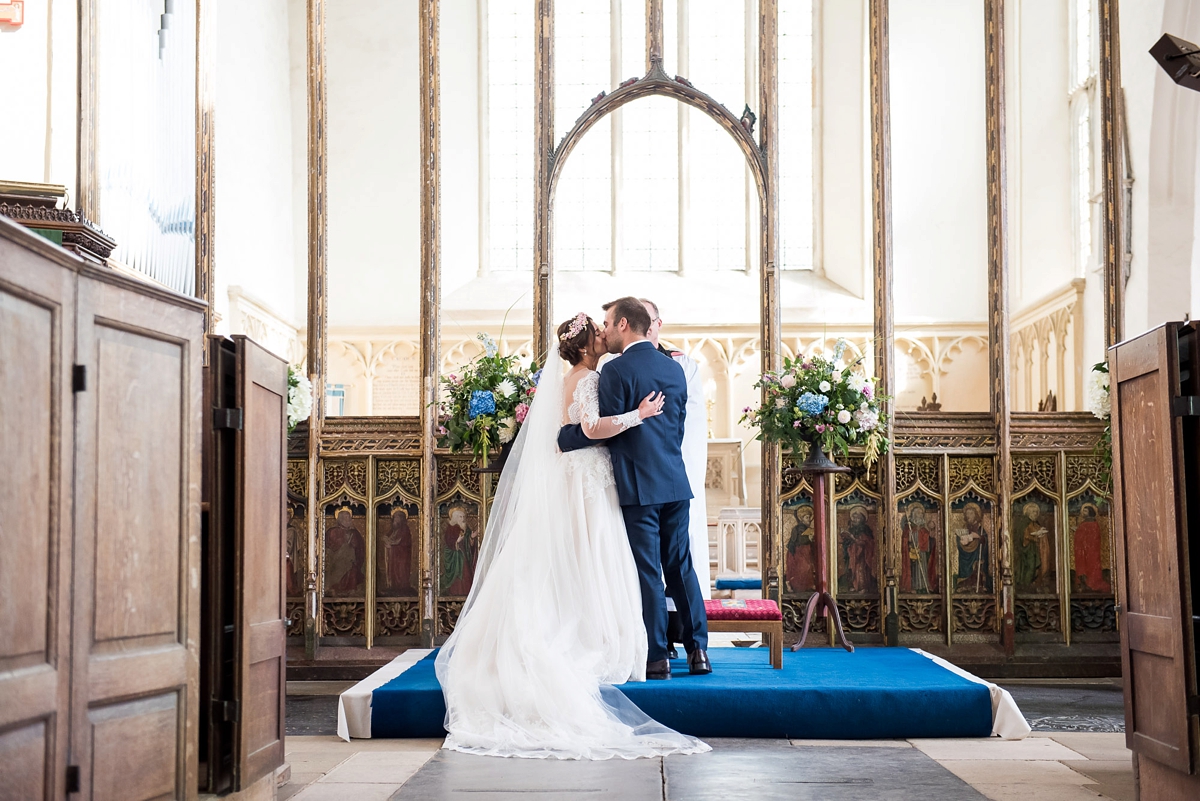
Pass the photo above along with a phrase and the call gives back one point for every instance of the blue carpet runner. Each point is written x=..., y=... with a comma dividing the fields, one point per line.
x=821, y=693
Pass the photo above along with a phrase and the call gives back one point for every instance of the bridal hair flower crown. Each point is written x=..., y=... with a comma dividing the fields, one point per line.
x=578, y=324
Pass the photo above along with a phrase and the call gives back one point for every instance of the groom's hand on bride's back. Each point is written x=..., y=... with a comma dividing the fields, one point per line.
x=572, y=438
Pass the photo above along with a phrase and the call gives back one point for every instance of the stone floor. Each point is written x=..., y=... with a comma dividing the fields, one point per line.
x=1076, y=752
x=1060, y=766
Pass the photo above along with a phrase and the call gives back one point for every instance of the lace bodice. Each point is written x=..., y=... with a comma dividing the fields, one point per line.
x=592, y=466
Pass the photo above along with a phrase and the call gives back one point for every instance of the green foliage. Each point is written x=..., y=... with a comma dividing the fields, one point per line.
x=791, y=412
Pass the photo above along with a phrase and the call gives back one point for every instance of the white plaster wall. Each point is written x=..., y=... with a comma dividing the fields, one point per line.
x=938, y=160
x=372, y=69
x=39, y=106
x=843, y=120
x=459, y=162
x=297, y=23
x=254, y=236
x=1164, y=281
x=1040, y=155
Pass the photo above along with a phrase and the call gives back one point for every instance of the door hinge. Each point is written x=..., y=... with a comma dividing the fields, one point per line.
x=73, y=779
x=1186, y=406
x=227, y=418
x=78, y=378
x=225, y=711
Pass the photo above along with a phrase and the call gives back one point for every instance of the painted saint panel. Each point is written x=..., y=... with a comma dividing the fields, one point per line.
x=800, y=556
x=920, y=544
x=296, y=549
x=1034, y=533
x=397, y=556
x=1091, y=545
x=858, y=545
x=972, y=530
x=459, y=538
x=345, y=550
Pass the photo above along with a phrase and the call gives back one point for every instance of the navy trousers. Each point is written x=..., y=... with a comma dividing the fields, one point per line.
x=672, y=549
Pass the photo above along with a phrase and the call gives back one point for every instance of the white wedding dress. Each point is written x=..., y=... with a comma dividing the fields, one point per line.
x=554, y=617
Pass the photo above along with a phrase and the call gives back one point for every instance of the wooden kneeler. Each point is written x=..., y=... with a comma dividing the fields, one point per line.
x=750, y=614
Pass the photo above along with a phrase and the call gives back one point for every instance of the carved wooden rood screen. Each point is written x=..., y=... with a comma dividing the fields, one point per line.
x=978, y=528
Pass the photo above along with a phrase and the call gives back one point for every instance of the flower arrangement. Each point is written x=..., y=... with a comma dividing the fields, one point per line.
x=1099, y=402
x=299, y=402
x=820, y=400
x=485, y=406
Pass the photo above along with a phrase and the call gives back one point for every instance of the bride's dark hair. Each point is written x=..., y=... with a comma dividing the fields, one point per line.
x=574, y=336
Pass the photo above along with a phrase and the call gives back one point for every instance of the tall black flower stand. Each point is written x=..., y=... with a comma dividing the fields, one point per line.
x=819, y=466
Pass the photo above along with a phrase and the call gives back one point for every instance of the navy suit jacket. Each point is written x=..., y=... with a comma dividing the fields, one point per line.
x=647, y=462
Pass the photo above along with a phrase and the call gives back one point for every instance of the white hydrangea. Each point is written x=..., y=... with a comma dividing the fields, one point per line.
x=508, y=429
x=825, y=386
x=299, y=405
x=506, y=388
x=867, y=419
x=1099, y=401
x=843, y=417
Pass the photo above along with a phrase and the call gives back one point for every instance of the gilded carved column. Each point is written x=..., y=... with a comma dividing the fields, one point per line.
x=884, y=347
x=87, y=178
x=317, y=160
x=543, y=127
x=430, y=306
x=1111, y=156
x=769, y=327
x=206, y=176
x=998, y=310
x=654, y=32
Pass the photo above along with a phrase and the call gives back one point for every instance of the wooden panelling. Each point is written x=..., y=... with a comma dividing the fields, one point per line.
x=137, y=516
x=138, y=750
x=26, y=755
x=262, y=490
x=138, y=384
x=37, y=343
x=1147, y=470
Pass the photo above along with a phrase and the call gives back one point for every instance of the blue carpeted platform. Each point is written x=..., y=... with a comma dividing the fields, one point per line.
x=822, y=693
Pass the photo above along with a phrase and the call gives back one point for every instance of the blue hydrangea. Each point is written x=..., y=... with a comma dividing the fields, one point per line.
x=482, y=402
x=812, y=403
x=537, y=377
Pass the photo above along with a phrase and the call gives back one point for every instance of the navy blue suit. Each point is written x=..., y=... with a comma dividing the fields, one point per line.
x=653, y=489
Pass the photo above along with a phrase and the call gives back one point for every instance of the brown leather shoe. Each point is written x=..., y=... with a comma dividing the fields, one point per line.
x=658, y=670
x=698, y=662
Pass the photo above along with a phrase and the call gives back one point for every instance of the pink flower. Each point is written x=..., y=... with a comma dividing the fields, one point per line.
x=520, y=412
x=453, y=379
x=820, y=428
x=806, y=366
x=442, y=431
x=796, y=424
x=868, y=391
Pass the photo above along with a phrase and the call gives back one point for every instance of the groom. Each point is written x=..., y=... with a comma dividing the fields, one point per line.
x=651, y=482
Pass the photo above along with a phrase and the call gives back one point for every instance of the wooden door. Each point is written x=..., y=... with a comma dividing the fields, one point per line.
x=260, y=661
x=137, y=515
x=37, y=345
x=1150, y=521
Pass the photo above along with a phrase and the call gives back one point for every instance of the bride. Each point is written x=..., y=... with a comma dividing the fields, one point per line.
x=554, y=617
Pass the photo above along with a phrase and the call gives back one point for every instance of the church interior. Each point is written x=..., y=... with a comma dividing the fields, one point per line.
x=204, y=204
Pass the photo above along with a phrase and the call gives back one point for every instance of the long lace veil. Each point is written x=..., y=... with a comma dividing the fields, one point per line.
x=527, y=685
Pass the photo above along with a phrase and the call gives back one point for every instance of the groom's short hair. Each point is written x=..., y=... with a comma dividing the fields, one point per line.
x=633, y=311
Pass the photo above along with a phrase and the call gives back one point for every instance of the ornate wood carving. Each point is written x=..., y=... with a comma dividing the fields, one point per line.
x=397, y=618
x=345, y=476
x=430, y=293
x=344, y=618
x=1093, y=615
x=317, y=260
x=447, y=616
x=398, y=474
x=206, y=174
x=378, y=435
x=922, y=614
x=1040, y=615
x=79, y=235
x=881, y=204
x=998, y=306
x=975, y=614
x=925, y=471
x=297, y=478
x=1111, y=172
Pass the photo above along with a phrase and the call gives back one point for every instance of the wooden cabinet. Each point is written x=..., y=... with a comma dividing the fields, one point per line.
x=1156, y=471
x=100, y=539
